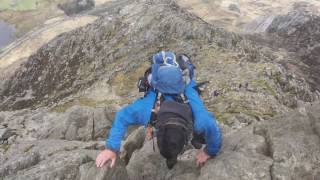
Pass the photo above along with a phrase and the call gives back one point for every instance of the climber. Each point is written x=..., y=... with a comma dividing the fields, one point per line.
x=172, y=97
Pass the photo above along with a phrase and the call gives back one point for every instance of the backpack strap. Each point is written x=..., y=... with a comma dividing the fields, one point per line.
x=181, y=98
x=156, y=104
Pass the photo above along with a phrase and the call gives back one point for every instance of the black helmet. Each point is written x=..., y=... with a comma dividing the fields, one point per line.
x=171, y=140
x=174, y=125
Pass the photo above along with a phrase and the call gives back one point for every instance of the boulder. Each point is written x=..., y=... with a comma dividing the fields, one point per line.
x=294, y=146
x=90, y=171
x=133, y=142
x=56, y=159
x=299, y=32
x=76, y=6
x=77, y=123
x=243, y=156
x=148, y=164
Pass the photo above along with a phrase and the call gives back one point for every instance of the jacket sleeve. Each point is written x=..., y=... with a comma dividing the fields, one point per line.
x=204, y=121
x=137, y=113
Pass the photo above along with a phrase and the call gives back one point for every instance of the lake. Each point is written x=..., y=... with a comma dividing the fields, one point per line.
x=7, y=34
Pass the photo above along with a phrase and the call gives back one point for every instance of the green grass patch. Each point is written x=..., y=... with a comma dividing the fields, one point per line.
x=27, y=149
x=223, y=116
x=264, y=84
x=21, y=5
x=251, y=112
x=5, y=147
x=81, y=101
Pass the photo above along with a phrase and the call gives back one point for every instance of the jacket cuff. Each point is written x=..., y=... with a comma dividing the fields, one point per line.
x=205, y=149
x=112, y=149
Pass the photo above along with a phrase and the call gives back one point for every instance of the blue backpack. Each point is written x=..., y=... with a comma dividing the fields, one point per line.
x=169, y=74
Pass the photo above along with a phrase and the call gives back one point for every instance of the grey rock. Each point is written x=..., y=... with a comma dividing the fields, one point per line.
x=133, y=142
x=12, y=166
x=284, y=148
x=5, y=134
x=298, y=32
x=148, y=164
x=243, y=156
x=185, y=168
x=314, y=115
x=259, y=25
x=293, y=145
x=2, y=132
x=76, y=6
x=56, y=159
x=237, y=166
x=234, y=7
x=1, y=119
x=90, y=171
x=77, y=123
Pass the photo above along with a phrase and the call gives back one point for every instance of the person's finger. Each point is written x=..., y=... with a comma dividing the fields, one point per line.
x=103, y=162
x=98, y=161
x=99, y=165
x=198, y=163
x=113, y=161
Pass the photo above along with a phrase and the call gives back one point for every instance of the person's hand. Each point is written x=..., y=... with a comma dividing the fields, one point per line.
x=149, y=133
x=105, y=156
x=202, y=157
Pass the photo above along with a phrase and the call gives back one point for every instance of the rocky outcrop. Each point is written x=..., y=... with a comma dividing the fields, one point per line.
x=114, y=43
x=147, y=163
x=246, y=76
x=294, y=145
x=57, y=108
x=133, y=142
x=76, y=6
x=287, y=147
x=300, y=34
x=78, y=123
x=56, y=159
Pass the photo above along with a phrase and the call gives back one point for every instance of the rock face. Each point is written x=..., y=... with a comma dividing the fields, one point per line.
x=294, y=147
x=57, y=108
x=299, y=32
x=78, y=123
x=76, y=6
x=287, y=147
x=55, y=159
x=248, y=77
x=148, y=164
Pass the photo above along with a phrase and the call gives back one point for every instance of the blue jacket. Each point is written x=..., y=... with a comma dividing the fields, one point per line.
x=139, y=113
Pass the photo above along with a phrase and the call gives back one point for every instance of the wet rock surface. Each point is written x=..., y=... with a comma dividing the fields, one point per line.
x=7, y=34
x=57, y=108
